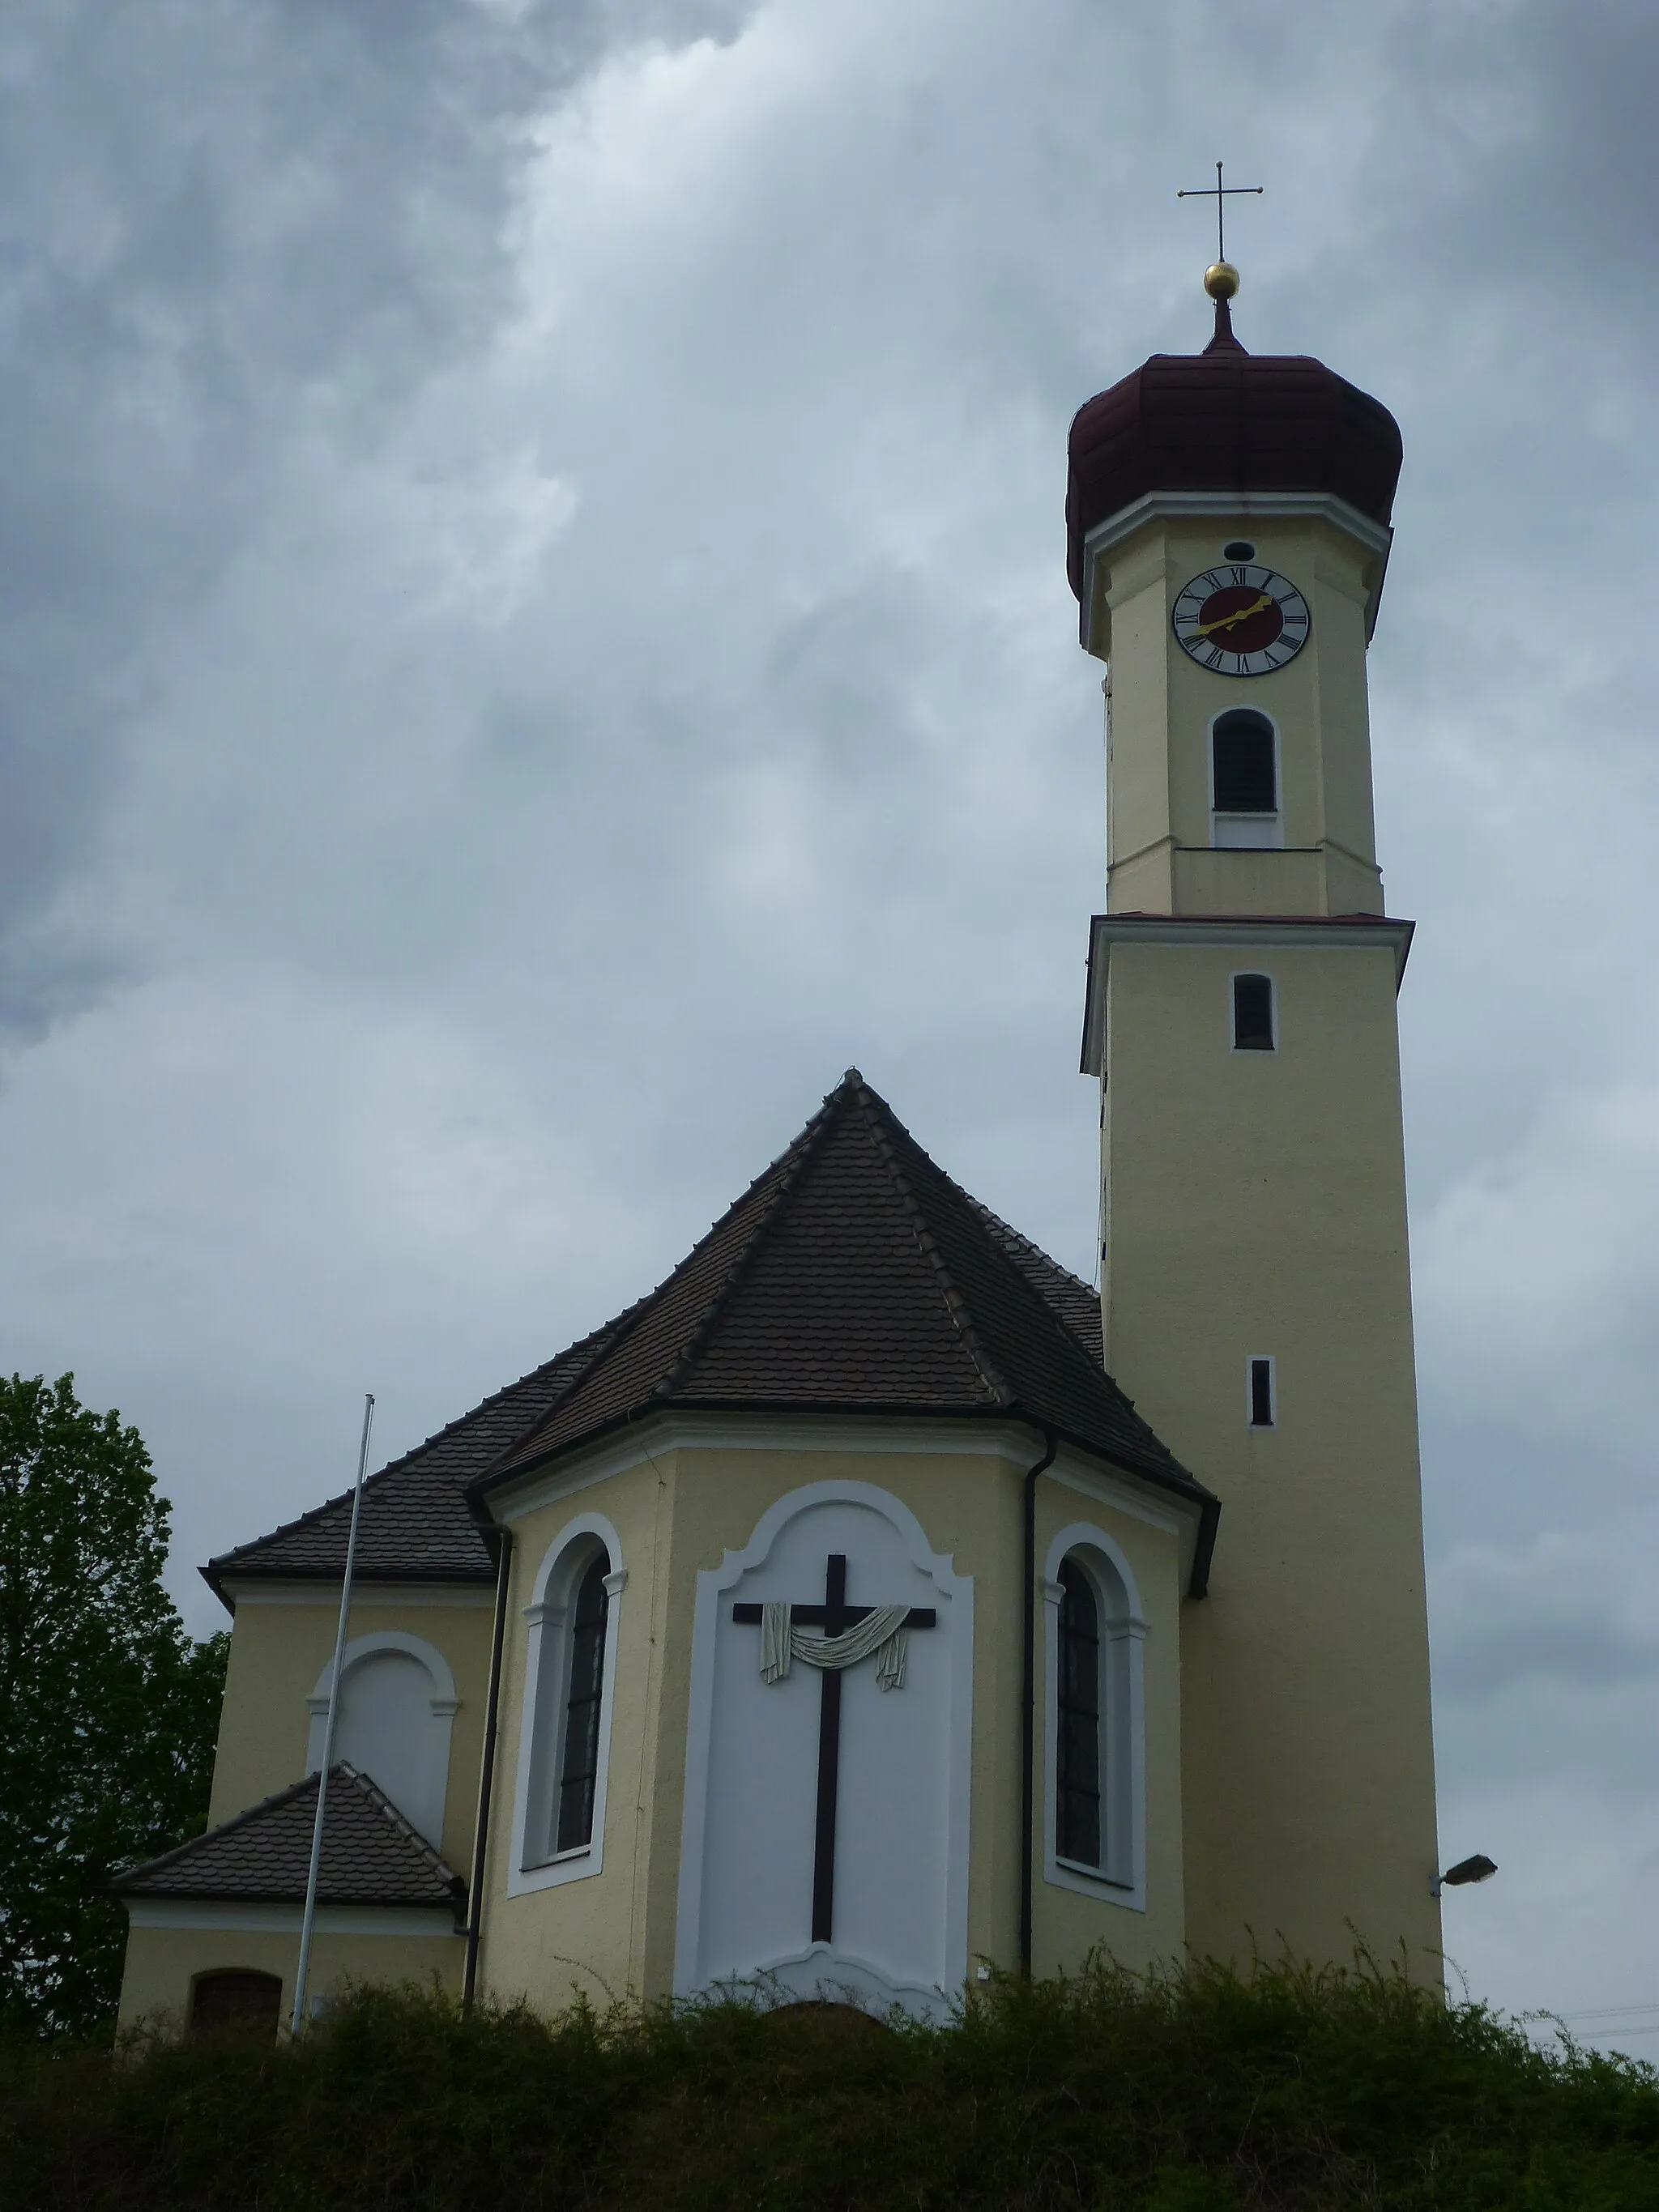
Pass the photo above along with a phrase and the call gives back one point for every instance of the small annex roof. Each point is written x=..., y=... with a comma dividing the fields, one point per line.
x=371, y=1854
x=854, y=1276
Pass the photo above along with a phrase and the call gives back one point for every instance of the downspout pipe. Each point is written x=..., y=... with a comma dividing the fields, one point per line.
x=1028, y=1706
x=487, y=1771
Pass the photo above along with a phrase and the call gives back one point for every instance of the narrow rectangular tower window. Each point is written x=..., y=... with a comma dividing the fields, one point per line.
x=1261, y=1394
x=1253, y=1013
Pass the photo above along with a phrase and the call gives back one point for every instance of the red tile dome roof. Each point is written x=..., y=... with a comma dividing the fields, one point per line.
x=1225, y=420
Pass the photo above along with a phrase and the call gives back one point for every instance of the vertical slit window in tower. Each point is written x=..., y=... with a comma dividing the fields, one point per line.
x=1246, y=779
x=1253, y=1013
x=1076, y=1779
x=578, y=1767
x=1261, y=1394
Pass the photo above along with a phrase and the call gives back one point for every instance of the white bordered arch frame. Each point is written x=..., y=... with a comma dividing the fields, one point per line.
x=432, y=1791
x=534, y=1865
x=820, y=1968
x=1121, y=1880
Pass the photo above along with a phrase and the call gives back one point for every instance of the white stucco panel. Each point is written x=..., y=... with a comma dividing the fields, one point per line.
x=900, y=1921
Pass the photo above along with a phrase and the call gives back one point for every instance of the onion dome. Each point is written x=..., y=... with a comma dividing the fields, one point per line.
x=1227, y=420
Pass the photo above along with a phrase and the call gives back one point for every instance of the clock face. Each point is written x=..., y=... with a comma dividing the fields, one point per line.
x=1241, y=619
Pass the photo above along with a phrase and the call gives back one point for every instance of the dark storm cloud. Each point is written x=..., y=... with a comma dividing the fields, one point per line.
x=204, y=214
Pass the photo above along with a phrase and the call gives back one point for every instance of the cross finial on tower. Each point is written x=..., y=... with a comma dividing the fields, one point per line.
x=1220, y=278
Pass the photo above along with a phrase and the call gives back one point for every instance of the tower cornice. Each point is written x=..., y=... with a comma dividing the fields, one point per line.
x=1115, y=529
x=1347, y=932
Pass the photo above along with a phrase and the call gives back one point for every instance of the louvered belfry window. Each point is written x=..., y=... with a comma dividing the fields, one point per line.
x=1246, y=779
x=1078, y=1822
x=579, y=1766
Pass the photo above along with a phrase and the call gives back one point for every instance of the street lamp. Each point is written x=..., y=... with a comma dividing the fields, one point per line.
x=1478, y=1868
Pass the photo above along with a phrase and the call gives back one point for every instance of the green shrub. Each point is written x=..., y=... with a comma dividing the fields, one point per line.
x=1195, y=2091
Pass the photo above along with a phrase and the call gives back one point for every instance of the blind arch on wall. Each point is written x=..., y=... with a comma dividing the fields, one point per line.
x=398, y=1705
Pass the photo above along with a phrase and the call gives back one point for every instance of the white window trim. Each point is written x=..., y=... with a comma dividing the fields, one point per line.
x=1272, y=982
x=1122, y=1881
x=545, y=1690
x=1272, y=826
x=1251, y=1422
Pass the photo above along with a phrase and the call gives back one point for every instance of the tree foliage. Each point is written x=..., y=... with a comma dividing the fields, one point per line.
x=110, y=1710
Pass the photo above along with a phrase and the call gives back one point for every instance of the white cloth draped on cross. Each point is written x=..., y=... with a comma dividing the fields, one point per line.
x=881, y=1631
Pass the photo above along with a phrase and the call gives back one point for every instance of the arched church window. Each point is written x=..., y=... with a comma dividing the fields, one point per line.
x=1077, y=1812
x=579, y=1762
x=1244, y=779
x=570, y=1665
x=1096, y=1725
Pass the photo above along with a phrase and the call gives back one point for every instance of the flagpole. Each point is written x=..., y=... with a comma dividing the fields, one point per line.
x=308, y=1917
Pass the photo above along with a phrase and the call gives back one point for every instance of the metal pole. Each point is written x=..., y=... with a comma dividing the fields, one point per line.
x=1028, y=1694
x=486, y=1774
x=308, y=1917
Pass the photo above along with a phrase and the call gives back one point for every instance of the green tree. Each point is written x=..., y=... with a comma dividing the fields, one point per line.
x=110, y=1710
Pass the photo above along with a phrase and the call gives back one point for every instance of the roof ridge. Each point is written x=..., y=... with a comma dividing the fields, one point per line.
x=1018, y=1235
x=395, y=1819
x=789, y=1160
x=955, y=1304
x=794, y=1161
x=1055, y=1319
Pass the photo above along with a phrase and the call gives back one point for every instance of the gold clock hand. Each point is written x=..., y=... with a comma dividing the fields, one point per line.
x=1241, y=614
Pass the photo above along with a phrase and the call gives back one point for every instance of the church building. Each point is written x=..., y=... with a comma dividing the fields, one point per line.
x=874, y=1604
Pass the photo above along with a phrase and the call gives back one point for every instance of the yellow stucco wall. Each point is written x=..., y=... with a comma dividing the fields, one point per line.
x=1163, y=704
x=585, y=1935
x=678, y=1513
x=278, y=1652
x=1257, y=1206
x=161, y=1963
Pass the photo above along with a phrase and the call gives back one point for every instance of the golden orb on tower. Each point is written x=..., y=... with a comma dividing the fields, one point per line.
x=1221, y=280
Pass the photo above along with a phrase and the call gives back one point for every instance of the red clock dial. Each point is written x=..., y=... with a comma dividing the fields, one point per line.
x=1241, y=619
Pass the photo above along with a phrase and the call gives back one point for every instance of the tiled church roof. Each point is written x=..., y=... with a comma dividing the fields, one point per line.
x=371, y=1855
x=853, y=1276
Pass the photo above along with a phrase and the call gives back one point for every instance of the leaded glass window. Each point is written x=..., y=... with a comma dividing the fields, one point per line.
x=1078, y=1808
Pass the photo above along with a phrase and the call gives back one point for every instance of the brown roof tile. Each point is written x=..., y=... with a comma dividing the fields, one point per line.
x=371, y=1855
x=855, y=1276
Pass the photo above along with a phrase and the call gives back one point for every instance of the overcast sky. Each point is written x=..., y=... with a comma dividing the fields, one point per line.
x=534, y=632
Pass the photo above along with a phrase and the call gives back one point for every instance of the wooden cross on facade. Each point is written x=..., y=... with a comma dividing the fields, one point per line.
x=834, y=1617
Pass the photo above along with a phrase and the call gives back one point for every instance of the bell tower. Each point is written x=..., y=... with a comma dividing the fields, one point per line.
x=1228, y=523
